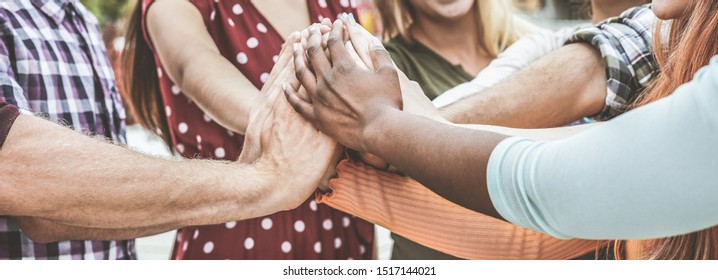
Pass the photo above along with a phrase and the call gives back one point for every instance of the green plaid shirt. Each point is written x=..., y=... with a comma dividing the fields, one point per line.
x=626, y=45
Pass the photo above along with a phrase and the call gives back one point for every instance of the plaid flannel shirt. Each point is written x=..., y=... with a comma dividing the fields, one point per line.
x=626, y=46
x=53, y=63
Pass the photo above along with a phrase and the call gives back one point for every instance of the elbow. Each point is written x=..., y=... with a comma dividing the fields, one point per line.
x=39, y=231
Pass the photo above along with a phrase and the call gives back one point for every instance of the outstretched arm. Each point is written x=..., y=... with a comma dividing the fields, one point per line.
x=548, y=186
x=53, y=177
x=566, y=85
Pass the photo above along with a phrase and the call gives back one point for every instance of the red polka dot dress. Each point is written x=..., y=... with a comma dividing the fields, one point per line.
x=311, y=231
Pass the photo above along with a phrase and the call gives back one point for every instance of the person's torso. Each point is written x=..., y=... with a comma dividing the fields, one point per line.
x=434, y=74
x=247, y=39
x=54, y=65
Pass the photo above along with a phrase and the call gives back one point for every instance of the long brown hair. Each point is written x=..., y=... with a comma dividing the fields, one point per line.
x=691, y=43
x=141, y=79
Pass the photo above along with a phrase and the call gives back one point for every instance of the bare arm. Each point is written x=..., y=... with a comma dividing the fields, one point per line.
x=55, y=183
x=58, y=174
x=194, y=62
x=46, y=231
x=566, y=85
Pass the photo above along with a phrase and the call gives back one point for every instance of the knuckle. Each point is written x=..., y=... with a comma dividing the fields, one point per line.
x=313, y=50
x=382, y=52
x=328, y=80
x=344, y=67
x=387, y=70
x=333, y=41
x=300, y=72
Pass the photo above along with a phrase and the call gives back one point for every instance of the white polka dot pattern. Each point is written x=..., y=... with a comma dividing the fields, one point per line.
x=208, y=247
x=318, y=247
x=183, y=128
x=267, y=223
x=252, y=43
x=237, y=9
x=299, y=226
x=286, y=247
x=337, y=243
x=242, y=58
x=219, y=152
x=249, y=243
x=261, y=27
x=327, y=224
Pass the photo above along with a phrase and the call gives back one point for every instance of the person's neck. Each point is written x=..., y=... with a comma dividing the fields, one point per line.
x=603, y=10
x=458, y=41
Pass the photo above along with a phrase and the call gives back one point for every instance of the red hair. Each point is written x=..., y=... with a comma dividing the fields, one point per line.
x=692, y=42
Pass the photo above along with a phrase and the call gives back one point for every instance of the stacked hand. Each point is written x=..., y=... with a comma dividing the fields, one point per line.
x=350, y=82
x=280, y=141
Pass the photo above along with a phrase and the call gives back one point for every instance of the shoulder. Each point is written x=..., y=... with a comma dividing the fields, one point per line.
x=12, y=13
x=88, y=16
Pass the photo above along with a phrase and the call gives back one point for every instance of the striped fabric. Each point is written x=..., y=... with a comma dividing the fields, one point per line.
x=53, y=63
x=407, y=208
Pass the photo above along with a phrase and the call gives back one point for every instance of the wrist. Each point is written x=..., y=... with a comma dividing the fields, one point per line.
x=448, y=114
x=374, y=131
x=267, y=195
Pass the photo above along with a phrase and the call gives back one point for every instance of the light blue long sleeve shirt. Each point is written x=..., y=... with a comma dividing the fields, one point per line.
x=650, y=173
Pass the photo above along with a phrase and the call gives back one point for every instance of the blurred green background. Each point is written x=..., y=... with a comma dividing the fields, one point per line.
x=109, y=12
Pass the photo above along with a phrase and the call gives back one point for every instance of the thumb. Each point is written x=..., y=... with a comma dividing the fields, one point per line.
x=379, y=55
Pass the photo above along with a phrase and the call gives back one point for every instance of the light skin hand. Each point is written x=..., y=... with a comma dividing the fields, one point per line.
x=344, y=97
x=283, y=70
x=300, y=154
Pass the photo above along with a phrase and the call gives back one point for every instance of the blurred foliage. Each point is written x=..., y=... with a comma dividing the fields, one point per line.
x=109, y=11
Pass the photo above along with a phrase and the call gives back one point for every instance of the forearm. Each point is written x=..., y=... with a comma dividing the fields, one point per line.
x=624, y=180
x=46, y=231
x=391, y=201
x=193, y=61
x=449, y=160
x=54, y=173
x=564, y=86
x=215, y=85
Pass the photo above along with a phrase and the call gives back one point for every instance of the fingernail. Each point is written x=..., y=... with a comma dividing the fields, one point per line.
x=352, y=20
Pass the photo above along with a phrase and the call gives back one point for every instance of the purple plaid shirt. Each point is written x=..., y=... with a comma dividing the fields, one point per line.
x=53, y=63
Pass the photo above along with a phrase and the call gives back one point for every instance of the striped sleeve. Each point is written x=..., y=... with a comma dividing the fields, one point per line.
x=411, y=210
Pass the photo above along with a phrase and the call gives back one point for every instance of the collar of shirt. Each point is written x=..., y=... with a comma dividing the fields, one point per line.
x=54, y=9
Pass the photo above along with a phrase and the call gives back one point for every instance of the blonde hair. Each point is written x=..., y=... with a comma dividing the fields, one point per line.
x=499, y=26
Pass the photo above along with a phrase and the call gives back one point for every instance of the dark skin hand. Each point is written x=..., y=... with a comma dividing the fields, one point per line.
x=362, y=109
x=339, y=121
